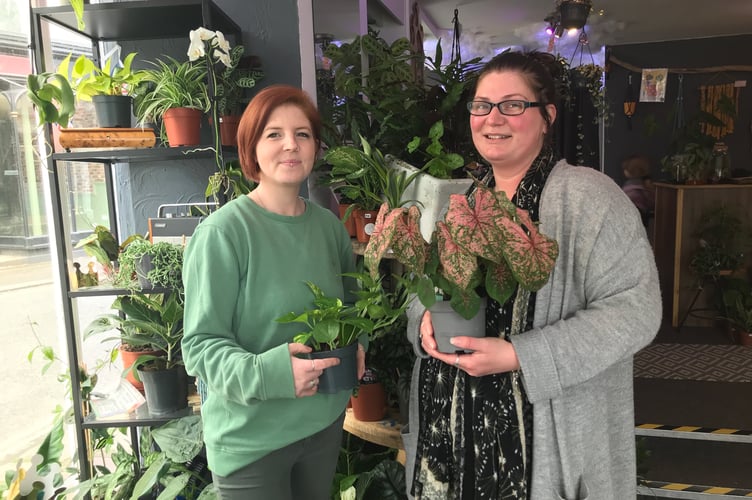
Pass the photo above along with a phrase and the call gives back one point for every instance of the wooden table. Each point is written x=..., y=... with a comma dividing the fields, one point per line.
x=383, y=432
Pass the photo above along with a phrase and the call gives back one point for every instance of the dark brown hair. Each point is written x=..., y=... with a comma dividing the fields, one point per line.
x=537, y=68
x=256, y=115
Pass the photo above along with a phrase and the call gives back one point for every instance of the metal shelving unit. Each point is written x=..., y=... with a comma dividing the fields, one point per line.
x=122, y=21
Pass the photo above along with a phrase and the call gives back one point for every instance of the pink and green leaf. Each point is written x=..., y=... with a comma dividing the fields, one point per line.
x=458, y=265
x=531, y=257
x=476, y=228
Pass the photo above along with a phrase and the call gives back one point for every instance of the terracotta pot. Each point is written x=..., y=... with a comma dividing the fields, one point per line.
x=365, y=222
x=183, y=126
x=370, y=404
x=743, y=338
x=228, y=129
x=350, y=221
x=128, y=357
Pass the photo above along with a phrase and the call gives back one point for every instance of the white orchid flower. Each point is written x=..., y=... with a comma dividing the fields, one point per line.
x=223, y=57
x=222, y=42
x=205, y=34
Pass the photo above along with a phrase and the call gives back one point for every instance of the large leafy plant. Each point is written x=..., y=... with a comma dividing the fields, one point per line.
x=87, y=79
x=333, y=324
x=171, y=84
x=362, y=176
x=488, y=245
x=53, y=97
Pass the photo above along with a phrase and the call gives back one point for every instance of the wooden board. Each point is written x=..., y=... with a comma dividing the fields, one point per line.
x=107, y=137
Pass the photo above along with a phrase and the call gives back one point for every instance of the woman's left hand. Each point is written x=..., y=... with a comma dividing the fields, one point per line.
x=489, y=355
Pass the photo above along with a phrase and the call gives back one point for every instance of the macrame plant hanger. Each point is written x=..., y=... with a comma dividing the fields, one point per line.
x=582, y=43
x=456, y=55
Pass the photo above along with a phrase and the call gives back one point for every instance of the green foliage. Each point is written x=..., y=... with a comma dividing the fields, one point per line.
x=367, y=475
x=232, y=81
x=53, y=96
x=87, y=79
x=171, y=84
x=381, y=107
x=166, y=264
x=722, y=242
x=441, y=164
x=737, y=304
x=228, y=184
x=103, y=246
x=361, y=176
x=333, y=324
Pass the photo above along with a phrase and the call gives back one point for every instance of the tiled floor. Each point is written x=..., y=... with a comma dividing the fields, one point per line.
x=696, y=403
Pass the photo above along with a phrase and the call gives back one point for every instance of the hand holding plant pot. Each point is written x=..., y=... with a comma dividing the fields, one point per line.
x=488, y=247
x=334, y=327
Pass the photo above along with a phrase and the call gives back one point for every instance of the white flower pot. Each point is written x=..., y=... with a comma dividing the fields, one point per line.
x=430, y=194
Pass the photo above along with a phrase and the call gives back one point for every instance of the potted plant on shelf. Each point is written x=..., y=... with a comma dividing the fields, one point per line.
x=487, y=247
x=151, y=325
x=146, y=265
x=361, y=175
x=103, y=247
x=232, y=82
x=737, y=309
x=333, y=327
x=174, y=92
x=110, y=88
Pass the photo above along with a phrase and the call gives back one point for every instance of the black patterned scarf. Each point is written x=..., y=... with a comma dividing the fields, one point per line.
x=475, y=433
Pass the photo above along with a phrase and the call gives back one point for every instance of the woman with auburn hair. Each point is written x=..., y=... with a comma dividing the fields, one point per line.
x=268, y=432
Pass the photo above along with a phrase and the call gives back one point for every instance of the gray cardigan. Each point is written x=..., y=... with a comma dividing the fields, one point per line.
x=600, y=306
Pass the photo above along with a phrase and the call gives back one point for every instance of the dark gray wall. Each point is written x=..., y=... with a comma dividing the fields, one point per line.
x=270, y=31
x=689, y=54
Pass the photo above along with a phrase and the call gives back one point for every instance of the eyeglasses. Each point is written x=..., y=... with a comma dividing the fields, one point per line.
x=509, y=108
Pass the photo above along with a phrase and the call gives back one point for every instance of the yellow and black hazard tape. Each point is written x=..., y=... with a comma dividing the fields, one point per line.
x=680, y=490
x=693, y=432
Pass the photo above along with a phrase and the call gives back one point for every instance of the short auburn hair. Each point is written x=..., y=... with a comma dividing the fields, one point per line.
x=256, y=115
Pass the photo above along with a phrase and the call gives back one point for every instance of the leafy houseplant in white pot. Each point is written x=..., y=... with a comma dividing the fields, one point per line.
x=488, y=248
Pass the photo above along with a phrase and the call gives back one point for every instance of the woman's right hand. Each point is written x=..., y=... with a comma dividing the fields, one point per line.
x=306, y=372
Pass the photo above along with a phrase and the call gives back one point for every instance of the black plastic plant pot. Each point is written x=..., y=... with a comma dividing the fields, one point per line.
x=166, y=391
x=113, y=111
x=344, y=376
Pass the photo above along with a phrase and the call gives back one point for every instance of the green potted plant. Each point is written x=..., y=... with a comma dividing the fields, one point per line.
x=176, y=93
x=487, y=247
x=53, y=97
x=232, y=82
x=146, y=265
x=333, y=327
x=722, y=243
x=152, y=325
x=102, y=245
x=737, y=309
x=110, y=87
x=361, y=175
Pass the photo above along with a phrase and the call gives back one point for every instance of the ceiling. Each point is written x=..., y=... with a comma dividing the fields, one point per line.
x=490, y=25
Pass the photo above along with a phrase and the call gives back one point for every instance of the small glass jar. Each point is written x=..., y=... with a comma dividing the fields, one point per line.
x=720, y=162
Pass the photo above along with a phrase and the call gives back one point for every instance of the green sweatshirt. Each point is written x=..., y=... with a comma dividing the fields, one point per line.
x=244, y=267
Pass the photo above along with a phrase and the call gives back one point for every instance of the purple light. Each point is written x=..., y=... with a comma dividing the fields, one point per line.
x=549, y=31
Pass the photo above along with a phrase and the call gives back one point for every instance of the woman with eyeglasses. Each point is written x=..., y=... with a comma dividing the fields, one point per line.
x=542, y=407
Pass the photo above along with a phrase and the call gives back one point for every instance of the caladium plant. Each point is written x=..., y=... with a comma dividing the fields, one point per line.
x=488, y=244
